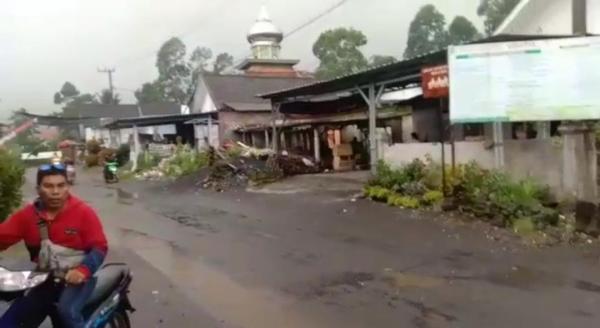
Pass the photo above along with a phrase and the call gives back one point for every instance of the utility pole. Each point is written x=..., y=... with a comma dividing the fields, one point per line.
x=110, y=72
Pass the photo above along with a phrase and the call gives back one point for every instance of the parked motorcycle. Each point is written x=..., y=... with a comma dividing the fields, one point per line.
x=109, y=305
x=70, y=166
x=111, y=168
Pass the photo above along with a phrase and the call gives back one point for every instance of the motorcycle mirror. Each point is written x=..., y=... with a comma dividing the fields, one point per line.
x=14, y=281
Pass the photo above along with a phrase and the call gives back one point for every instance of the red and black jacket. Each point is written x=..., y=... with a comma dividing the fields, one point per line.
x=77, y=226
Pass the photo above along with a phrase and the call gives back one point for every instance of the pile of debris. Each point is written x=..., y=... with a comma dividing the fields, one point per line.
x=295, y=164
x=256, y=167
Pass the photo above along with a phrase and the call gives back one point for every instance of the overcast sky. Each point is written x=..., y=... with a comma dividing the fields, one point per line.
x=45, y=43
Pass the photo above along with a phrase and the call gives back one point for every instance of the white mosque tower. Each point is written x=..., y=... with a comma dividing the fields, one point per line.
x=265, y=41
x=265, y=37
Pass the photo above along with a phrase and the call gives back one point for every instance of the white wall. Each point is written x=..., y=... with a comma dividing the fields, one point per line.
x=523, y=158
x=550, y=17
x=201, y=131
x=466, y=151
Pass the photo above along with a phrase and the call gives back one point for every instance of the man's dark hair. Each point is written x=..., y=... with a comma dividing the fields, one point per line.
x=41, y=174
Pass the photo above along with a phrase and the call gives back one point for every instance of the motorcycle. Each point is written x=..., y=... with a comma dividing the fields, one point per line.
x=110, y=171
x=70, y=165
x=109, y=305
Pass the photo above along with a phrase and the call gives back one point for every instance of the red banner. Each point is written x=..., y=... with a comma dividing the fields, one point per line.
x=435, y=81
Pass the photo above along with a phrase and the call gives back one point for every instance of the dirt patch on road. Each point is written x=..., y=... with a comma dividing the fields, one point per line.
x=331, y=285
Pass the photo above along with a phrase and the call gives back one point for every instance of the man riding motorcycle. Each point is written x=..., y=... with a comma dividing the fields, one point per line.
x=64, y=237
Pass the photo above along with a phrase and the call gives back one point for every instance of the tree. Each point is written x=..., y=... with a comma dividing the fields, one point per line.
x=150, y=92
x=174, y=73
x=379, y=60
x=177, y=75
x=199, y=60
x=67, y=92
x=108, y=98
x=461, y=30
x=70, y=95
x=26, y=140
x=495, y=12
x=11, y=181
x=339, y=52
x=223, y=62
x=427, y=32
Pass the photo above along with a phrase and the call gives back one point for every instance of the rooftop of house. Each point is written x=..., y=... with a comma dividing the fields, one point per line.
x=121, y=111
x=239, y=92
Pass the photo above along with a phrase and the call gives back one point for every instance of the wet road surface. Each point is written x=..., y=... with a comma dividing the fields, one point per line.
x=324, y=259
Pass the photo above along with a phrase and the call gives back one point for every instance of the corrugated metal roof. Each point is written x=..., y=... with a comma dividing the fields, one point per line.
x=252, y=107
x=388, y=71
x=244, y=89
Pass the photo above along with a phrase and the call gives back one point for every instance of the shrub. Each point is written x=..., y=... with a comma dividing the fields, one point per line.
x=93, y=147
x=91, y=160
x=378, y=193
x=12, y=177
x=404, y=201
x=433, y=197
x=104, y=154
x=146, y=161
x=185, y=161
x=485, y=193
x=123, y=154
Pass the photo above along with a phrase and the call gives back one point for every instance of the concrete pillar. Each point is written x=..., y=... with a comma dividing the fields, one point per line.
x=274, y=119
x=373, y=128
x=579, y=162
x=498, y=138
x=266, y=138
x=209, y=130
x=543, y=130
x=136, y=147
x=317, y=145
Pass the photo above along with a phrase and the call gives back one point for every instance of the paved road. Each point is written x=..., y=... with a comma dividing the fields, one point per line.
x=322, y=259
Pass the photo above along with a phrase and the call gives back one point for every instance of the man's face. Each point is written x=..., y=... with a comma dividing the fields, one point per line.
x=53, y=191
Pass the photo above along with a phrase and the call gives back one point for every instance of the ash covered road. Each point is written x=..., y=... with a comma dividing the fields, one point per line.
x=320, y=258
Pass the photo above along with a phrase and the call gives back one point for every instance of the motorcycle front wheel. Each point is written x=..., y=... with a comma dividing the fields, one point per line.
x=120, y=320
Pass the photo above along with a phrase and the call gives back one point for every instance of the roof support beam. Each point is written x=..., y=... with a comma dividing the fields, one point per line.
x=372, y=102
x=353, y=89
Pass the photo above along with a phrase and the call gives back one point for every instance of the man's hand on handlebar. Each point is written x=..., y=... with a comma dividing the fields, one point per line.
x=75, y=277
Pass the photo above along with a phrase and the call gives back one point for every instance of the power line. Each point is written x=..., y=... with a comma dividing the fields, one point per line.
x=149, y=54
x=316, y=18
x=303, y=25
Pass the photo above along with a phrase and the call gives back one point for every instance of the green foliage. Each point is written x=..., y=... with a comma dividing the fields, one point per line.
x=108, y=98
x=26, y=141
x=12, y=177
x=484, y=193
x=495, y=12
x=185, y=161
x=427, y=33
x=174, y=72
x=378, y=193
x=146, y=161
x=178, y=75
x=69, y=95
x=123, y=154
x=339, y=52
x=149, y=93
x=407, y=202
x=461, y=30
x=524, y=226
x=223, y=62
x=433, y=197
x=379, y=60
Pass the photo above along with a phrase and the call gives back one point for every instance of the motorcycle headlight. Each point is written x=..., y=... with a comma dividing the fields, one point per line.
x=20, y=280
